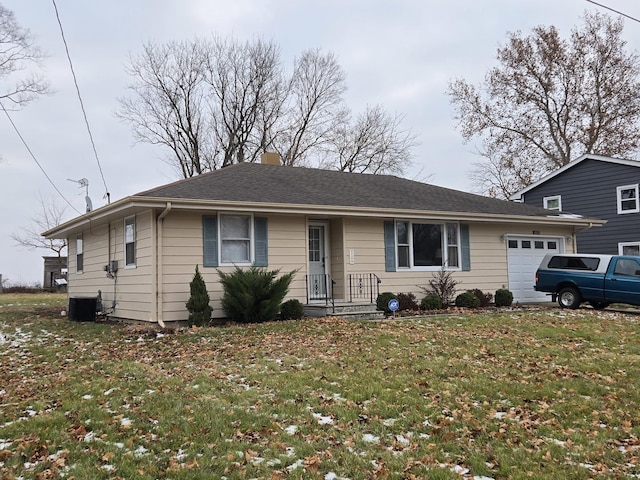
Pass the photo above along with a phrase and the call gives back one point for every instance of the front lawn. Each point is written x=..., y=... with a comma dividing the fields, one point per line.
x=548, y=394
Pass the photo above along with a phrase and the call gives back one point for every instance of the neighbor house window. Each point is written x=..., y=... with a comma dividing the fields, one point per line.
x=628, y=199
x=427, y=245
x=235, y=239
x=629, y=248
x=130, y=242
x=552, y=203
x=79, y=254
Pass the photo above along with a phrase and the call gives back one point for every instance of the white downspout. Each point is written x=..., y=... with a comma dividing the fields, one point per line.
x=159, y=262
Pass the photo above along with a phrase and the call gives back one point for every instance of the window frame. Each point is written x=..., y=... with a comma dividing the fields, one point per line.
x=620, y=200
x=79, y=253
x=621, y=246
x=551, y=198
x=250, y=239
x=445, y=246
x=130, y=262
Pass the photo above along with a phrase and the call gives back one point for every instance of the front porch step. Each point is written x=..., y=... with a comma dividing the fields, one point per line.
x=359, y=311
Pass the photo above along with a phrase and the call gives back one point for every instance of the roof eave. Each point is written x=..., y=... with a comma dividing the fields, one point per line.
x=129, y=203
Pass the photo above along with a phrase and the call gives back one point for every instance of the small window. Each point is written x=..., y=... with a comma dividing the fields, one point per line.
x=526, y=243
x=513, y=244
x=538, y=245
x=552, y=203
x=79, y=254
x=452, y=245
x=551, y=245
x=628, y=199
x=130, y=242
x=630, y=248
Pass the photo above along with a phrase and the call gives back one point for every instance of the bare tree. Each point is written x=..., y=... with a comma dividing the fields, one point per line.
x=246, y=83
x=169, y=104
x=374, y=143
x=17, y=53
x=551, y=100
x=316, y=108
x=30, y=236
x=216, y=102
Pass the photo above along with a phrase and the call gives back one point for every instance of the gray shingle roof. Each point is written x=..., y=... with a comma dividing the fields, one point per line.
x=253, y=182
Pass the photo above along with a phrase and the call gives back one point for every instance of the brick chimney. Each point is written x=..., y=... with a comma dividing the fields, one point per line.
x=270, y=158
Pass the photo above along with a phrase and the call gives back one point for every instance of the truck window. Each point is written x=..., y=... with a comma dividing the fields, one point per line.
x=625, y=266
x=574, y=263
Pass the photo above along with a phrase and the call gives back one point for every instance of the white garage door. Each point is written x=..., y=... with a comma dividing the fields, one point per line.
x=524, y=254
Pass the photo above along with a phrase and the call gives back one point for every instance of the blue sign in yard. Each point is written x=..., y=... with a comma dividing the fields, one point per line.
x=393, y=305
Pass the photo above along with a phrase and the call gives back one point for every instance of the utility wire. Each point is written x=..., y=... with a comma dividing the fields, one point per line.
x=616, y=11
x=36, y=160
x=84, y=113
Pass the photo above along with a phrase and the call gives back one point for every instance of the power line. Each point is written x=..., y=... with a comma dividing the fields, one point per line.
x=84, y=113
x=24, y=142
x=616, y=11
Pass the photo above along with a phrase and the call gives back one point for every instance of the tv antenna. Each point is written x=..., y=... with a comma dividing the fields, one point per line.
x=83, y=182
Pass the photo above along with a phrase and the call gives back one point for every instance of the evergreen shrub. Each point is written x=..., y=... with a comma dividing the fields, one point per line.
x=253, y=295
x=431, y=302
x=198, y=303
x=292, y=310
x=504, y=298
x=468, y=300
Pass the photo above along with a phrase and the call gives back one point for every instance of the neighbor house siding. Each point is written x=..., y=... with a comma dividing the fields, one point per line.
x=589, y=189
x=183, y=250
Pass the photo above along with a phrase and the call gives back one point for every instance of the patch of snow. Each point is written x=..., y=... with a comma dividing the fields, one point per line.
x=297, y=464
x=323, y=420
x=291, y=429
x=87, y=397
x=367, y=437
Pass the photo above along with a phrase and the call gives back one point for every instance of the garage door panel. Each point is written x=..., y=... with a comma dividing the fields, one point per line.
x=524, y=255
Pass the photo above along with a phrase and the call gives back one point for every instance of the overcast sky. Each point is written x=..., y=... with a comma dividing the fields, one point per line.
x=400, y=54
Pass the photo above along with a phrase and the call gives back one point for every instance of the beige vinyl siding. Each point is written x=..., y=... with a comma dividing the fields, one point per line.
x=487, y=248
x=183, y=250
x=132, y=285
x=337, y=256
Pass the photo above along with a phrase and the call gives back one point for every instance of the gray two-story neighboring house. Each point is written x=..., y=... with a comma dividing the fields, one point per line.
x=597, y=187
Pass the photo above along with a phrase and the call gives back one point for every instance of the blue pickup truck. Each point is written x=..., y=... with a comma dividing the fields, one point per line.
x=601, y=280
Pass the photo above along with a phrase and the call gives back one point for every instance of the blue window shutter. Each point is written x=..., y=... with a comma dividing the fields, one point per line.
x=210, y=241
x=389, y=247
x=261, y=258
x=466, y=249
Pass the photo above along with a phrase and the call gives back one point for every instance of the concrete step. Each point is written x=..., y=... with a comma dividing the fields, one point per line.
x=344, y=310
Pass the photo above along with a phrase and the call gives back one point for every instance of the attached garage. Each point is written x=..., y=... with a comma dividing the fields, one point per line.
x=524, y=254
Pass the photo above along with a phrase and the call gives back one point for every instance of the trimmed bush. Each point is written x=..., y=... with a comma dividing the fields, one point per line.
x=485, y=298
x=504, y=298
x=292, y=310
x=382, y=302
x=431, y=302
x=468, y=300
x=198, y=304
x=407, y=301
x=253, y=295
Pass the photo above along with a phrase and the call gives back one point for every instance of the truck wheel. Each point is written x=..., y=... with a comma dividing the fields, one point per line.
x=569, y=297
x=598, y=305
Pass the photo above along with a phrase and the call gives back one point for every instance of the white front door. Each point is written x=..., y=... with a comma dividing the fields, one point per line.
x=317, y=283
x=524, y=255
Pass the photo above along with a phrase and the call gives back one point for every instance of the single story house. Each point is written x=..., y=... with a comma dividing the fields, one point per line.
x=341, y=231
